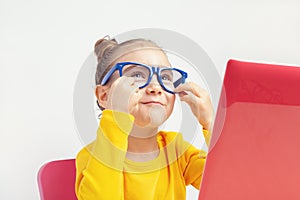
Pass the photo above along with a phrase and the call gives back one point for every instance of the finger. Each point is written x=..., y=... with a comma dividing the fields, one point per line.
x=124, y=80
x=196, y=90
x=189, y=98
x=191, y=87
x=126, y=84
x=182, y=93
x=121, y=93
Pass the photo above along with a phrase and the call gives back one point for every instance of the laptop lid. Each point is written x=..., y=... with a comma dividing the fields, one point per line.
x=255, y=146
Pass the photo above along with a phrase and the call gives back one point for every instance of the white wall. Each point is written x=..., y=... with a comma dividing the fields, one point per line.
x=43, y=44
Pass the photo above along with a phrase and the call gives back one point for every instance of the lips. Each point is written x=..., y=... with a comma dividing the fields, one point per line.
x=152, y=103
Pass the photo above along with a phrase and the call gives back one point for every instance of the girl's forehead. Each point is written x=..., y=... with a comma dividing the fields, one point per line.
x=155, y=57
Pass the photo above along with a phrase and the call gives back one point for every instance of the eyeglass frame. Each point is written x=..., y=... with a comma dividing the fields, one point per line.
x=153, y=70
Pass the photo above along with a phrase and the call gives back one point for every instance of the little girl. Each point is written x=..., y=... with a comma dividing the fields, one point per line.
x=130, y=158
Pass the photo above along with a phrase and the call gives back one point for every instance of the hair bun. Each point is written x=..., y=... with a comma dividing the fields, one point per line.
x=104, y=45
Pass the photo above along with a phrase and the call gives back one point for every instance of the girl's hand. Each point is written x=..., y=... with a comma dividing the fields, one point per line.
x=199, y=101
x=122, y=94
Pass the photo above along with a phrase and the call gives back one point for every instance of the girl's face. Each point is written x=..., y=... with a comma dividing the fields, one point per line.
x=151, y=106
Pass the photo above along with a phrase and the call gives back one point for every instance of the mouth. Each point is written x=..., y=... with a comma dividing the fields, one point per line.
x=152, y=103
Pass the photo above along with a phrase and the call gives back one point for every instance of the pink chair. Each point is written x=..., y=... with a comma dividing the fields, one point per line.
x=56, y=180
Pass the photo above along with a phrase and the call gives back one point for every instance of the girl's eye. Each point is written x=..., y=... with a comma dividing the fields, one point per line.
x=138, y=75
x=166, y=77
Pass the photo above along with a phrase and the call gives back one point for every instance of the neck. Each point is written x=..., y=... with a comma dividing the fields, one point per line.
x=142, y=139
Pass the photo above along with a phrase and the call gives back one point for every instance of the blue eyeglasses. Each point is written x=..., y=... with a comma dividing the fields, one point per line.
x=169, y=78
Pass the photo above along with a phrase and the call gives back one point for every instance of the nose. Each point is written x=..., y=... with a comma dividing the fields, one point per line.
x=154, y=86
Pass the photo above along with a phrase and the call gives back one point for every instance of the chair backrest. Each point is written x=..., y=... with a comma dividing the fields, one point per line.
x=56, y=180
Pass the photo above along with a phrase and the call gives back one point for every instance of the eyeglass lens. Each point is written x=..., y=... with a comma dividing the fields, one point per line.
x=170, y=78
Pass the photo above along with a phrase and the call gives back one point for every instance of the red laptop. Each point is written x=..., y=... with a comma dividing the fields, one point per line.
x=255, y=148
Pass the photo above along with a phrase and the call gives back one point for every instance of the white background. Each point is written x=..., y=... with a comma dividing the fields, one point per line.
x=44, y=43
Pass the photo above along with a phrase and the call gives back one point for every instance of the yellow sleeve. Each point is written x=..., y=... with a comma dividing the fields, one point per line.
x=207, y=136
x=193, y=163
x=99, y=165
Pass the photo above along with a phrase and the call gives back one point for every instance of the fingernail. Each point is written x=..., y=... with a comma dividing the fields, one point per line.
x=183, y=93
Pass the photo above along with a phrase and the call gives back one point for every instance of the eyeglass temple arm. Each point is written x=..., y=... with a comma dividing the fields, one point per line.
x=108, y=75
x=176, y=83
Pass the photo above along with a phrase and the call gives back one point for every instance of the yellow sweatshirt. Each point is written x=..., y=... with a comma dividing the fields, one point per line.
x=104, y=172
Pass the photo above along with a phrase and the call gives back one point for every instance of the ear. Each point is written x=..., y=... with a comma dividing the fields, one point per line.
x=101, y=93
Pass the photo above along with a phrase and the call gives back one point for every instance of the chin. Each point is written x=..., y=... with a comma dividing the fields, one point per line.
x=155, y=116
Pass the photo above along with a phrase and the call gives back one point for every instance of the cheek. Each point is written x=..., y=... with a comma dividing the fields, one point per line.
x=171, y=101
